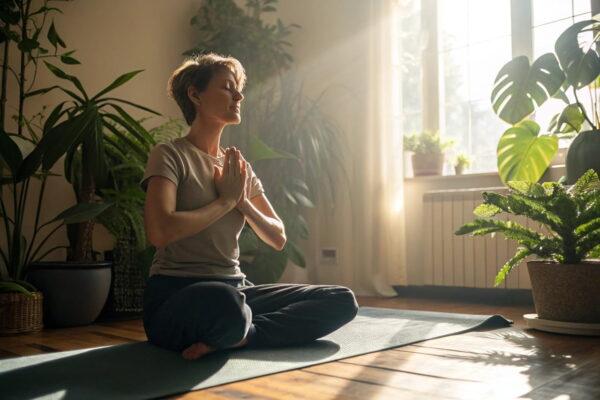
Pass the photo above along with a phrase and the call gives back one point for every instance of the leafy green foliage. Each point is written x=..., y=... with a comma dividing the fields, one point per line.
x=226, y=28
x=520, y=88
x=522, y=154
x=572, y=218
x=427, y=142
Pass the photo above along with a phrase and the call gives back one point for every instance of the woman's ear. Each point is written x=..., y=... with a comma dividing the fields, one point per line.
x=193, y=95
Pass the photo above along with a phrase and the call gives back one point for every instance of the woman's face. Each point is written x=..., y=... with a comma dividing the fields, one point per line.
x=220, y=101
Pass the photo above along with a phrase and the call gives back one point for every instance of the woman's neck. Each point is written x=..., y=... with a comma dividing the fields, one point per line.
x=206, y=136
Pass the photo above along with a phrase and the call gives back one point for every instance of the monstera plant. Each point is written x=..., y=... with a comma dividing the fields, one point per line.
x=521, y=88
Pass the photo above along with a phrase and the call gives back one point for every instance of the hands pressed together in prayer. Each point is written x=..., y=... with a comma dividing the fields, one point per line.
x=233, y=180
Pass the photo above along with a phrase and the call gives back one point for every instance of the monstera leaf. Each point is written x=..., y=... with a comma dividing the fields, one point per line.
x=523, y=155
x=519, y=84
x=581, y=65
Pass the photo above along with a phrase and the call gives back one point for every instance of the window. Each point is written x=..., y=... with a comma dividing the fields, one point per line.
x=451, y=52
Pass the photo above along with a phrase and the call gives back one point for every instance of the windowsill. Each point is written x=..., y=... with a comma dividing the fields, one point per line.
x=553, y=173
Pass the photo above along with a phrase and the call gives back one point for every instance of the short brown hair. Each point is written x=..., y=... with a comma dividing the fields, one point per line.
x=198, y=71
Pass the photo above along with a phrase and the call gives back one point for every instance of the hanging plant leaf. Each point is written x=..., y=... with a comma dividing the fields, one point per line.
x=518, y=85
x=523, y=155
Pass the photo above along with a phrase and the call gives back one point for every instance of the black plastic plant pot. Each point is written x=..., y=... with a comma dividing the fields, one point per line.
x=583, y=154
x=74, y=293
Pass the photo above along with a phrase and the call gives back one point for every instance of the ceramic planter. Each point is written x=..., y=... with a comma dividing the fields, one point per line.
x=566, y=292
x=583, y=154
x=427, y=164
x=74, y=294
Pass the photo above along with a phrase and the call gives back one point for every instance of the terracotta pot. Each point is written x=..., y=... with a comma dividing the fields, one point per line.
x=427, y=164
x=566, y=292
x=20, y=313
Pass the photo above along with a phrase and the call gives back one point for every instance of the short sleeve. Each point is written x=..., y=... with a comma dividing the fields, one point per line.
x=256, y=185
x=162, y=162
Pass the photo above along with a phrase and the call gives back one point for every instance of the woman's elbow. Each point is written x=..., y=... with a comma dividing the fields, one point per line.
x=157, y=238
x=279, y=244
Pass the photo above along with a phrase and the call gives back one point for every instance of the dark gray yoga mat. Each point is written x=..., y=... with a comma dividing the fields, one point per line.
x=142, y=371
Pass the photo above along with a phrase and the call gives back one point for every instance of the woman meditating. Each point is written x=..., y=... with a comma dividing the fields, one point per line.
x=198, y=198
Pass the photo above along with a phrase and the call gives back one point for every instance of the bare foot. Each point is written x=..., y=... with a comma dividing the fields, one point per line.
x=200, y=349
x=196, y=351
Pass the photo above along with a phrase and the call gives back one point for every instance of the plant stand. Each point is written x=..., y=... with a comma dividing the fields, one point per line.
x=20, y=313
x=567, y=328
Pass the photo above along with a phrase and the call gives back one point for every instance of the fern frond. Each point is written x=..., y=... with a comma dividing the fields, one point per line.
x=510, y=264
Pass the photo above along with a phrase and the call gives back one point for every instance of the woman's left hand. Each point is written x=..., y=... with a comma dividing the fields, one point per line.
x=244, y=203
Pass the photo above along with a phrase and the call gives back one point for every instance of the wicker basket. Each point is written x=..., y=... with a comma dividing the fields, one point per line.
x=20, y=313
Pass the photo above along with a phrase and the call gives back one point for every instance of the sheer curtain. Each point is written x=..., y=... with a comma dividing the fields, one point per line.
x=378, y=212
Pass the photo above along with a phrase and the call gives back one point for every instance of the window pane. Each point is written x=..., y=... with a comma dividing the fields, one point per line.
x=481, y=26
x=545, y=11
x=456, y=75
x=545, y=36
x=411, y=123
x=485, y=60
x=453, y=23
x=582, y=6
x=456, y=126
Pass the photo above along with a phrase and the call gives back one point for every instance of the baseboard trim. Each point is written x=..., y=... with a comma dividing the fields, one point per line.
x=510, y=297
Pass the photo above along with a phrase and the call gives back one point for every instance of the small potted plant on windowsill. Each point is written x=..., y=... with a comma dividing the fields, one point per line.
x=428, y=152
x=566, y=282
x=461, y=162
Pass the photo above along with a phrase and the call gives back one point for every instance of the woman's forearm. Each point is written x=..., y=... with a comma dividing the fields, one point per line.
x=269, y=230
x=165, y=228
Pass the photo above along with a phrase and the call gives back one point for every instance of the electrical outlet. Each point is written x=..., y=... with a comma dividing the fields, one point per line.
x=329, y=256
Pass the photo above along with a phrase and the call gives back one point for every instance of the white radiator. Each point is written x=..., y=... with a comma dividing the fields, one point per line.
x=465, y=261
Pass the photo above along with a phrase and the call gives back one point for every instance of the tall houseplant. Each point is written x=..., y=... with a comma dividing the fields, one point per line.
x=566, y=284
x=21, y=155
x=290, y=142
x=521, y=88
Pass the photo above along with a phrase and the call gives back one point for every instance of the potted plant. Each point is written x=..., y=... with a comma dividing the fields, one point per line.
x=78, y=129
x=565, y=282
x=460, y=163
x=21, y=166
x=428, y=149
x=520, y=88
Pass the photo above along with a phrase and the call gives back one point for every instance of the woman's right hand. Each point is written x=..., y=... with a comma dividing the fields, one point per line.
x=230, y=180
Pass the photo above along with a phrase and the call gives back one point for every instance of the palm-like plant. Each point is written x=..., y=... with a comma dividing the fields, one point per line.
x=91, y=126
x=571, y=216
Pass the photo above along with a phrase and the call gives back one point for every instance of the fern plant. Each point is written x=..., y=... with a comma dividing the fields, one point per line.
x=571, y=215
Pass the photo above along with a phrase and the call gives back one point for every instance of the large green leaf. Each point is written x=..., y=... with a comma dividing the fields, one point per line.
x=518, y=85
x=259, y=150
x=81, y=212
x=570, y=119
x=9, y=152
x=117, y=82
x=579, y=59
x=63, y=75
x=523, y=155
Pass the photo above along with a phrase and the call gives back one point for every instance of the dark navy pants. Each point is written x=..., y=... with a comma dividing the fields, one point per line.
x=181, y=311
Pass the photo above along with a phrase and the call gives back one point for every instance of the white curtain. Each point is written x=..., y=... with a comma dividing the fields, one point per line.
x=378, y=181
x=355, y=51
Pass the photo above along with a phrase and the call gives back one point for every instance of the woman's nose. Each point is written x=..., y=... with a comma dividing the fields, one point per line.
x=238, y=96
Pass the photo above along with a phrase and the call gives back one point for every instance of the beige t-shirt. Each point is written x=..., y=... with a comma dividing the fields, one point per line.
x=214, y=251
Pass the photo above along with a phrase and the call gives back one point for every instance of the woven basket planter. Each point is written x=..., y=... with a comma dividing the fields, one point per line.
x=566, y=292
x=20, y=313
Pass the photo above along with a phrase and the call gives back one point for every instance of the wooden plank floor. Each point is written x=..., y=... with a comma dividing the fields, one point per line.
x=503, y=364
